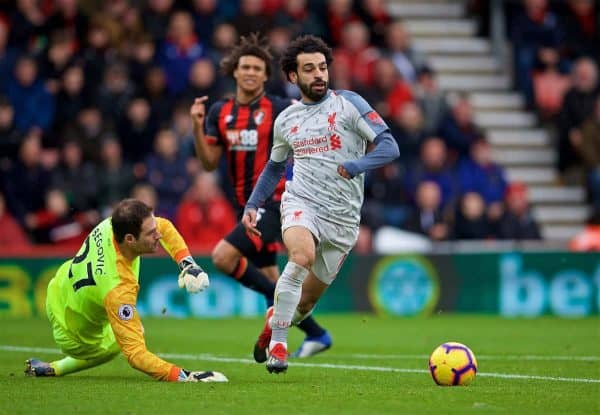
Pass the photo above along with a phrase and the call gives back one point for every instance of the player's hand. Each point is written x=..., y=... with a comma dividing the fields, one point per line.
x=198, y=109
x=192, y=276
x=249, y=220
x=208, y=376
x=343, y=172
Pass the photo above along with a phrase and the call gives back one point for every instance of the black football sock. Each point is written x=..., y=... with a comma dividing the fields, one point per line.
x=311, y=327
x=250, y=276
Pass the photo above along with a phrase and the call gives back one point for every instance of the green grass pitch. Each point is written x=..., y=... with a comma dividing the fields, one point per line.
x=376, y=366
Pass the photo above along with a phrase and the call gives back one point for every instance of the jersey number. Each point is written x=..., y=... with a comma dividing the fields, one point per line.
x=83, y=282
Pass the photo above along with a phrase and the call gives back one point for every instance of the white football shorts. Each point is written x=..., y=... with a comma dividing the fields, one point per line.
x=334, y=241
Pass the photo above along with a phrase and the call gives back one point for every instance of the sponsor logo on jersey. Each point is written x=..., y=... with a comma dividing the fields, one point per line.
x=126, y=312
x=294, y=130
x=242, y=140
x=297, y=214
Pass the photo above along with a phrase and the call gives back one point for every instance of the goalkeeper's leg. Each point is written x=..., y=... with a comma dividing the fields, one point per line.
x=82, y=356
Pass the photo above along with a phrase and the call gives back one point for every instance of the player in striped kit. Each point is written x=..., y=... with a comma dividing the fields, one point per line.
x=327, y=134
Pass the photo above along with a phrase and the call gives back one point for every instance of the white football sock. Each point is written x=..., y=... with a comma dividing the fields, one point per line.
x=287, y=297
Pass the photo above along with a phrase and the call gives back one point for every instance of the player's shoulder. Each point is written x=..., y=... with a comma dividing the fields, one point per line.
x=355, y=99
x=218, y=104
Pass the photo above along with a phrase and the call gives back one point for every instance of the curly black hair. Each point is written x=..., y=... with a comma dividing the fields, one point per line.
x=252, y=45
x=303, y=44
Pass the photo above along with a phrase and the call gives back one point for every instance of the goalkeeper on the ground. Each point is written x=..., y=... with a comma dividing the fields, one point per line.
x=91, y=302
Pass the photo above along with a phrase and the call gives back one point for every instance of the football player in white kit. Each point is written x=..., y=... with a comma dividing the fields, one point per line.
x=327, y=134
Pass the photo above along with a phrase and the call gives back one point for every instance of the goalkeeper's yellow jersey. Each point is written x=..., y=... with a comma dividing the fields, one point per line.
x=99, y=287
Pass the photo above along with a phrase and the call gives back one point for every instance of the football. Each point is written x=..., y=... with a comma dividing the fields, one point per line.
x=453, y=364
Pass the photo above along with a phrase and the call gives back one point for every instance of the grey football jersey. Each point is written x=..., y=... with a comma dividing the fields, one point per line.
x=320, y=137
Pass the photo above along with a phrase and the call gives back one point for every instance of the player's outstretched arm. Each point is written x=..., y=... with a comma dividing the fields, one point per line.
x=386, y=150
x=208, y=155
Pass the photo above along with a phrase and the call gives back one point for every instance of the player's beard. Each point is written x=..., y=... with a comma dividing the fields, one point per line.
x=310, y=93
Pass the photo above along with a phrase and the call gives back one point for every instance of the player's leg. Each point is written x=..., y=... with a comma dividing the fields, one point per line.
x=301, y=246
x=228, y=258
x=329, y=258
x=312, y=290
x=79, y=356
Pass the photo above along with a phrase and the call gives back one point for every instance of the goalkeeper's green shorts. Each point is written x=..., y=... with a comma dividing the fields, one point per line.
x=73, y=347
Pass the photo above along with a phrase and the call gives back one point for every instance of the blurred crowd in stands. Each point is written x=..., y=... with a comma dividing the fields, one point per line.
x=95, y=97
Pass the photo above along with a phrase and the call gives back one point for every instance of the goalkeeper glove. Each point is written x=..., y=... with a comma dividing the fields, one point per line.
x=194, y=377
x=192, y=277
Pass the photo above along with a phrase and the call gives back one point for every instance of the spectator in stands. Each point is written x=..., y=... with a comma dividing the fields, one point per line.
x=536, y=26
x=549, y=84
x=182, y=127
x=356, y=52
x=518, y=222
x=33, y=104
x=278, y=39
x=375, y=15
x=27, y=26
x=479, y=173
x=55, y=223
x=71, y=98
x=58, y=57
x=340, y=13
x=155, y=92
x=26, y=181
x=590, y=153
x=117, y=179
x=407, y=129
x=67, y=17
x=470, y=220
x=431, y=99
x=10, y=135
x=137, y=130
x=578, y=105
x=88, y=129
x=144, y=192
x=12, y=235
x=115, y=92
x=427, y=218
x=156, y=16
x=206, y=17
x=386, y=200
x=398, y=47
x=98, y=50
x=251, y=18
x=204, y=216
x=589, y=238
x=142, y=56
x=459, y=130
x=166, y=172
x=582, y=26
x=179, y=51
x=432, y=166
x=76, y=178
x=389, y=93
x=8, y=54
x=203, y=81
x=299, y=19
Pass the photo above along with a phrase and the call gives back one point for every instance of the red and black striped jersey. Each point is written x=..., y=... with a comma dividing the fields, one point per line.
x=246, y=134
